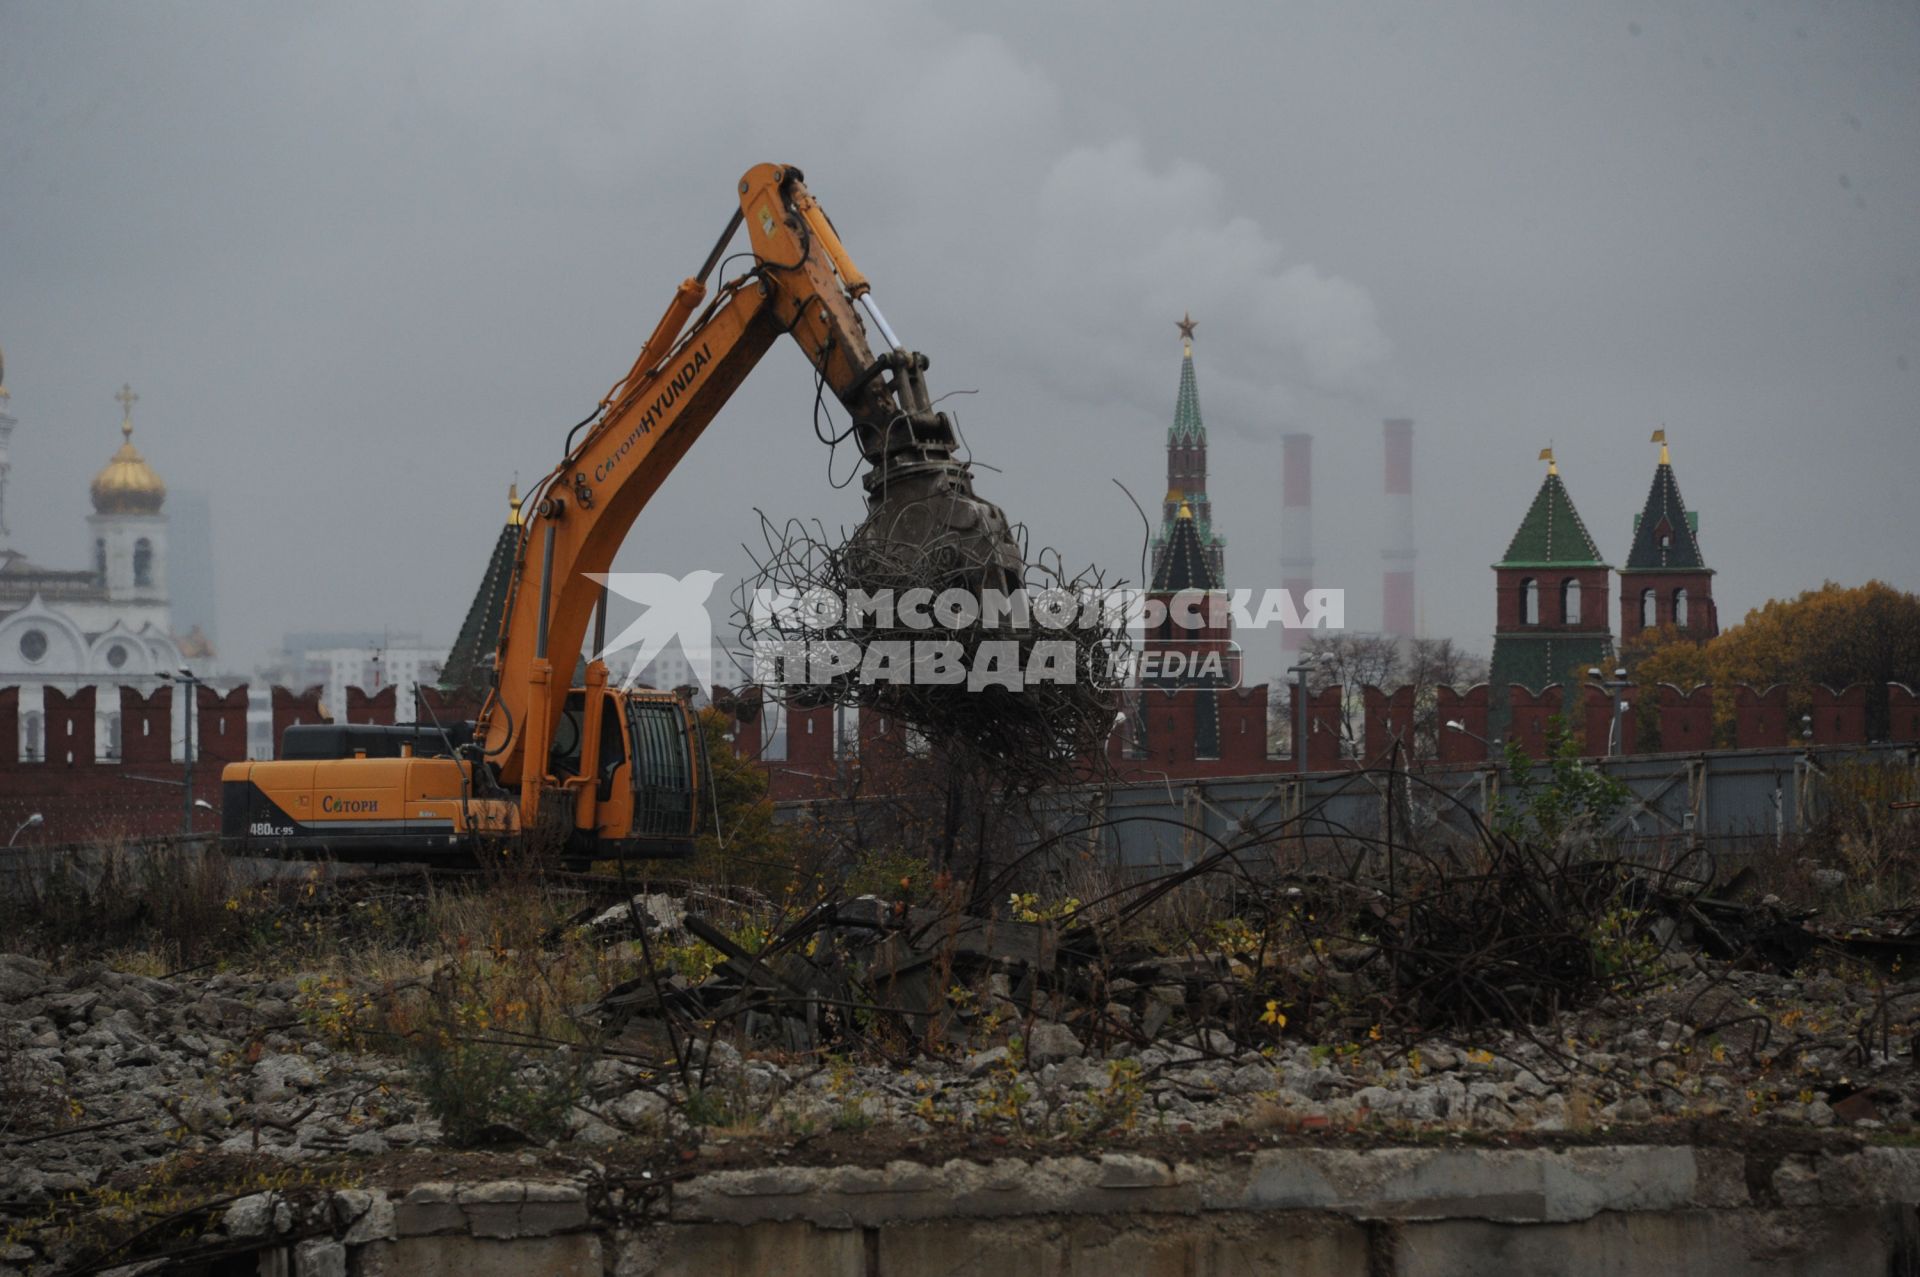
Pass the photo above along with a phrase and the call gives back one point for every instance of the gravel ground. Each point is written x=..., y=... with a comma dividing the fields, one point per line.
x=103, y=1071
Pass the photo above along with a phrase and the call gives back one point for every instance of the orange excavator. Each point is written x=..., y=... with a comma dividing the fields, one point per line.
x=596, y=770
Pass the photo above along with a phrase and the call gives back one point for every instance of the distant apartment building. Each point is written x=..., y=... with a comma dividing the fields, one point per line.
x=333, y=661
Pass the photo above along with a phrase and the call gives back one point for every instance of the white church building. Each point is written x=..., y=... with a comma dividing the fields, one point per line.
x=104, y=625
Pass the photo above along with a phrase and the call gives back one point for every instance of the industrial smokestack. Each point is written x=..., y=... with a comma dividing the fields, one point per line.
x=1396, y=611
x=1296, y=525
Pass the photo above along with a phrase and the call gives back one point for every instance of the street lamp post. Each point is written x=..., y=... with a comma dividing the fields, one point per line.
x=1300, y=673
x=1455, y=725
x=1612, y=687
x=190, y=686
x=31, y=822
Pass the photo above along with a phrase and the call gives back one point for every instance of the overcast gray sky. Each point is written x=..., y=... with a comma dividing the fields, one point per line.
x=363, y=262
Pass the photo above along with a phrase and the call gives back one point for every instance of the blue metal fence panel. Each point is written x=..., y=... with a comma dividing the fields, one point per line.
x=1724, y=798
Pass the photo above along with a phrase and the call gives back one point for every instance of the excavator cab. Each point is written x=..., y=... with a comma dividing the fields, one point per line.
x=629, y=771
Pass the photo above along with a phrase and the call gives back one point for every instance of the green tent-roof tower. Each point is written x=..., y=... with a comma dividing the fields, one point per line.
x=1552, y=587
x=1187, y=468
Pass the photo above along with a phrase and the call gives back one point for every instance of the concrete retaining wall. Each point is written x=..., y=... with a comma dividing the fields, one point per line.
x=1408, y=1212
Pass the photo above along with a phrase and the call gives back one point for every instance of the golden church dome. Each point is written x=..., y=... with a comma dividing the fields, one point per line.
x=128, y=484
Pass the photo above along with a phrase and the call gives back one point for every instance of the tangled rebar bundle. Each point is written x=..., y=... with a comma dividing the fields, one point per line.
x=1035, y=701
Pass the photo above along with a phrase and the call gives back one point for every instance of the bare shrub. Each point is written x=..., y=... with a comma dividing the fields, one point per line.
x=1873, y=842
x=181, y=902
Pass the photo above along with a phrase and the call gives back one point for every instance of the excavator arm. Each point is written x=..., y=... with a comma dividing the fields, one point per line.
x=802, y=283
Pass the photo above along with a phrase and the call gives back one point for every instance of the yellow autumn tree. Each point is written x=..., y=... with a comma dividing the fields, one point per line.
x=1834, y=636
x=1666, y=655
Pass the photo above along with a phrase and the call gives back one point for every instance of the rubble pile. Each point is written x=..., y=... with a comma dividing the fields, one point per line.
x=1086, y=1036
x=104, y=1069
x=1042, y=1023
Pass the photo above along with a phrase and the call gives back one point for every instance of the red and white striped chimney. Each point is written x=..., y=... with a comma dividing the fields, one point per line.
x=1397, y=602
x=1296, y=525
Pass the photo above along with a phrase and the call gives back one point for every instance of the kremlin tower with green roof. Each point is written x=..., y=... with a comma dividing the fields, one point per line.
x=1552, y=623
x=1187, y=469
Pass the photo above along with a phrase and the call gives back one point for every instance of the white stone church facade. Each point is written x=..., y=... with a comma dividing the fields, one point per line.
x=106, y=625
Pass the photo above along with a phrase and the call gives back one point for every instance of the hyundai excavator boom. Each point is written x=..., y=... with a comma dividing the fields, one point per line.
x=597, y=769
